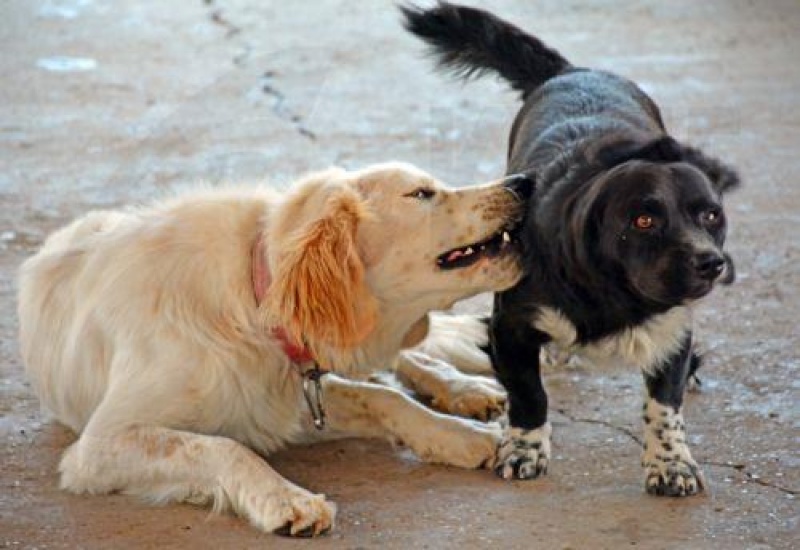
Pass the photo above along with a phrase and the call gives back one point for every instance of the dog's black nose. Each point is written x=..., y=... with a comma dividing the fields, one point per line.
x=709, y=265
x=521, y=185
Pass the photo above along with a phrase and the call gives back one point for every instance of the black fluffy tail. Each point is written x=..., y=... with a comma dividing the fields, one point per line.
x=470, y=42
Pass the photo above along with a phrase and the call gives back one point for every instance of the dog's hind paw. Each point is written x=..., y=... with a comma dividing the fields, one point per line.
x=524, y=454
x=472, y=397
x=677, y=478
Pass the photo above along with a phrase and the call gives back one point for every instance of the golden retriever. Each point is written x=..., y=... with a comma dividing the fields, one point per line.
x=184, y=341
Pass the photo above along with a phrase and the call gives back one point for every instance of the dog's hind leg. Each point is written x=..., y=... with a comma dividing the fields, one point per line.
x=448, y=389
x=694, y=384
x=364, y=409
x=166, y=465
x=669, y=467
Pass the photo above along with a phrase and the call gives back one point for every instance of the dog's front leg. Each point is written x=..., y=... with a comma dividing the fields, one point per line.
x=669, y=467
x=364, y=409
x=449, y=389
x=525, y=450
x=164, y=465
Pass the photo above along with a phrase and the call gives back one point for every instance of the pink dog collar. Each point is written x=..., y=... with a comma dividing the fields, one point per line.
x=261, y=279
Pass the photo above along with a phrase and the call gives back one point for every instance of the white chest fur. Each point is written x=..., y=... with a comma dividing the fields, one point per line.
x=646, y=345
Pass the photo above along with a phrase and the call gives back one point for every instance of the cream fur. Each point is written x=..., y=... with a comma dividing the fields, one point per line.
x=141, y=332
x=647, y=345
x=458, y=339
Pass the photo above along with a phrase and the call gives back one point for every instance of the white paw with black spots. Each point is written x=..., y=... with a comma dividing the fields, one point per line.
x=524, y=454
x=554, y=357
x=669, y=467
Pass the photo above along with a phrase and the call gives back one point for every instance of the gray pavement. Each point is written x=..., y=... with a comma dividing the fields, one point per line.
x=108, y=103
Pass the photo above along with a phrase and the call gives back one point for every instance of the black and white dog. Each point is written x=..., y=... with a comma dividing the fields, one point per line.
x=624, y=233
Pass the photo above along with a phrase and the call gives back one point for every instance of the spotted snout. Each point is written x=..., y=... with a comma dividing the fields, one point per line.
x=501, y=206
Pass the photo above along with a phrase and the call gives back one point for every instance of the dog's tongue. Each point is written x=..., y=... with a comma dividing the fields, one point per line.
x=454, y=255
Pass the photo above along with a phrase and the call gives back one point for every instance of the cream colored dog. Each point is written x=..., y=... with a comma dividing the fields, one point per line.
x=177, y=340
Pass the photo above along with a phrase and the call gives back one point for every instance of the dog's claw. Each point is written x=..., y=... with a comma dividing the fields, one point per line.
x=674, y=479
x=308, y=516
x=522, y=467
x=305, y=533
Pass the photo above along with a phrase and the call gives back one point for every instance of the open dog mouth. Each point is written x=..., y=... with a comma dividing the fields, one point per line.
x=465, y=256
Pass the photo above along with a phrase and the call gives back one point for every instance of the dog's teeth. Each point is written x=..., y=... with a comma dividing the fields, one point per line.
x=468, y=251
x=506, y=237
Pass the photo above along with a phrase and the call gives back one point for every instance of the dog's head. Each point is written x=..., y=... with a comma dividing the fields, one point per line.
x=653, y=219
x=349, y=247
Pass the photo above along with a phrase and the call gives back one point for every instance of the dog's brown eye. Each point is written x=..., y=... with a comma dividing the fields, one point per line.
x=643, y=221
x=422, y=193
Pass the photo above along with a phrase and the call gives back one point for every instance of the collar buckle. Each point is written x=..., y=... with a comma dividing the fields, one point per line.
x=312, y=391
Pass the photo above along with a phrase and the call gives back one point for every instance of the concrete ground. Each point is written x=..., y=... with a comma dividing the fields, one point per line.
x=105, y=103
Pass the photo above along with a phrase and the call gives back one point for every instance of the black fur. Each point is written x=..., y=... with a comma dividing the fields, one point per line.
x=469, y=44
x=605, y=169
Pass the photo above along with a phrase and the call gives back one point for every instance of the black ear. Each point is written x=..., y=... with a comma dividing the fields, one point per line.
x=723, y=177
x=667, y=149
x=663, y=149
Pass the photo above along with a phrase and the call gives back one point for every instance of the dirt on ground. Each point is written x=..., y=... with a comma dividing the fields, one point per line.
x=111, y=103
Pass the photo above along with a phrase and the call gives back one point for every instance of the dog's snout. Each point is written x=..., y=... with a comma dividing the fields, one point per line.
x=729, y=273
x=520, y=185
x=709, y=265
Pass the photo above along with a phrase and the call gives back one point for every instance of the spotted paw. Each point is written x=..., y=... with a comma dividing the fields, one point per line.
x=524, y=454
x=677, y=478
x=669, y=467
x=553, y=357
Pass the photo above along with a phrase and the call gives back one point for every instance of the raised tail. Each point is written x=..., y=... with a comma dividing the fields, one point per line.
x=471, y=42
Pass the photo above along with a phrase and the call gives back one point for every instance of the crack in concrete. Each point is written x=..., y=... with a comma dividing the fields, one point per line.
x=605, y=423
x=240, y=60
x=218, y=18
x=739, y=467
x=766, y=483
x=281, y=110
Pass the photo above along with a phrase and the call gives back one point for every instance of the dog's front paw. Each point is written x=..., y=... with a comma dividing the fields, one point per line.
x=472, y=397
x=465, y=443
x=306, y=515
x=673, y=478
x=669, y=467
x=524, y=454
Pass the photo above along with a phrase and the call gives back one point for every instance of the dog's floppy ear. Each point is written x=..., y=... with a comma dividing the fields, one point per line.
x=662, y=149
x=318, y=292
x=723, y=177
x=668, y=149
